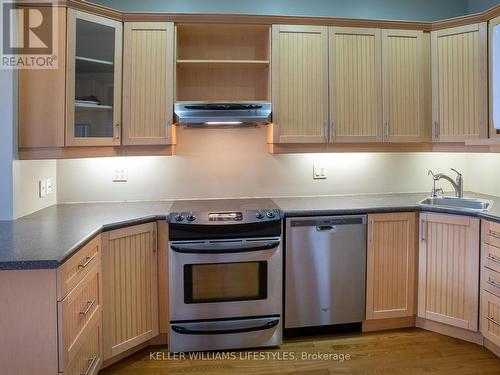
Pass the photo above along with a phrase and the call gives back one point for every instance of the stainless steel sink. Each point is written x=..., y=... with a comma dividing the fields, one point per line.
x=467, y=204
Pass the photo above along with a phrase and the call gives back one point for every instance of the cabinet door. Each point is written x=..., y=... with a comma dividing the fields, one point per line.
x=403, y=85
x=391, y=265
x=93, y=81
x=148, y=83
x=494, y=54
x=300, y=84
x=130, y=290
x=448, y=280
x=355, y=84
x=459, y=83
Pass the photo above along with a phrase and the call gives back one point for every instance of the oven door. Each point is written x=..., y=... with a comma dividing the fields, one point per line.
x=225, y=279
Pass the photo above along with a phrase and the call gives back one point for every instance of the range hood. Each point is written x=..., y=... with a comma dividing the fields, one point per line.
x=202, y=114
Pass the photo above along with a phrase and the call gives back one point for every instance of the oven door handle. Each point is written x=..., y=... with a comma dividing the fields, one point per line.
x=188, y=331
x=222, y=248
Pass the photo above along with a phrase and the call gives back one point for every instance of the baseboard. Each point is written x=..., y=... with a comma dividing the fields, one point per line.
x=492, y=347
x=387, y=324
x=161, y=339
x=445, y=329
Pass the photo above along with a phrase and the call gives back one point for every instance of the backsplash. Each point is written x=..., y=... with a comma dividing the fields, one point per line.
x=235, y=163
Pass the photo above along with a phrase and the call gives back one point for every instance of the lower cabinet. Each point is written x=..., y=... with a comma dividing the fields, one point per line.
x=448, y=280
x=391, y=265
x=130, y=289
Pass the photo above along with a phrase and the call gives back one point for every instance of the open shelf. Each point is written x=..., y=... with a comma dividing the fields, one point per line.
x=223, y=62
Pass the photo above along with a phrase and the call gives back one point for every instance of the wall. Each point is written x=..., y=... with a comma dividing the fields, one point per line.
x=235, y=163
x=7, y=110
x=476, y=6
x=422, y=10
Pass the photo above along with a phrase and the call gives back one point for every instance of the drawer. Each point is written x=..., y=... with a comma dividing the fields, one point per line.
x=491, y=257
x=491, y=233
x=491, y=281
x=79, y=310
x=88, y=357
x=490, y=317
x=71, y=272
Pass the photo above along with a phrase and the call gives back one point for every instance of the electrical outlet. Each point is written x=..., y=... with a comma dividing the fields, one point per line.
x=42, y=188
x=48, y=185
x=120, y=174
x=319, y=172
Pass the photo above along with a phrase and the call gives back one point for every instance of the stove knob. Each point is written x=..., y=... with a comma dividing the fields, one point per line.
x=179, y=218
x=259, y=215
x=191, y=217
x=270, y=214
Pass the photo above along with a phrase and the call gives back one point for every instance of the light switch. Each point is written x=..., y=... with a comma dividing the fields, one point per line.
x=48, y=183
x=120, y=174
x=42, y=188
x=319, y=172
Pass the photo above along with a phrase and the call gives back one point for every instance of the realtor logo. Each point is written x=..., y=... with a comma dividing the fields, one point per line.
x=29, y=35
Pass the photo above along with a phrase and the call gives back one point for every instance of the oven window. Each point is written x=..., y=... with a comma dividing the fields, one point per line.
x=224, y=282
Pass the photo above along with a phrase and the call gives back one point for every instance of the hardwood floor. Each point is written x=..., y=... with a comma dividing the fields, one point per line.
x=407, y=351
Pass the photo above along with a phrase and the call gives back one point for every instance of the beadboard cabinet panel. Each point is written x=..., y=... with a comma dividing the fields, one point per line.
x=448, y=282
x=391, y=265
x=300, y=84
x=403, y=85
x=130, y=289
x=355, y=84
x=148, y=83
x=459, y=83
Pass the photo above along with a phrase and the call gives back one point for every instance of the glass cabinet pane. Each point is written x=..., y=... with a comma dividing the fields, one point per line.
x=495, y=44
x=94, y=79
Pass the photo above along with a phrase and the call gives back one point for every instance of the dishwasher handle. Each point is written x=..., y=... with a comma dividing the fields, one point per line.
x=326, y=228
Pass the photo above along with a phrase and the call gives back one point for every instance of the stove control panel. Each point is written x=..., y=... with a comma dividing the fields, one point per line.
x=221, y=218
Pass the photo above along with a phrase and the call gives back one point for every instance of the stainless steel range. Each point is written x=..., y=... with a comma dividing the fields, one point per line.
x=225, y=274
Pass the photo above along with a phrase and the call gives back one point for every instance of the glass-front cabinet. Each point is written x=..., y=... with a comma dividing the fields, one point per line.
x=94, y=58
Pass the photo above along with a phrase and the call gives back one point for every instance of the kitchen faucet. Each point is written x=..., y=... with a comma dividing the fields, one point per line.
x=458, y=183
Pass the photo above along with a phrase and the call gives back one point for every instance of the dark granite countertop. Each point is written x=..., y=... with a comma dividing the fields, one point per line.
x=48, y=237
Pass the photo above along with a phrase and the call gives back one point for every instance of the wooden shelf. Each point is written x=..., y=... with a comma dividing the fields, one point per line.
x=239, y=63
x=92, y=107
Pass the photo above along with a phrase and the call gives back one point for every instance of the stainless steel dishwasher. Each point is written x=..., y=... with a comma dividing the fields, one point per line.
x=325, y=270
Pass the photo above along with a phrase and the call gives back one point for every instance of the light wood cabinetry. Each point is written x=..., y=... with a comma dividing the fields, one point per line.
x=130, y=290
x=93, y=80
x=448, y=280
x=403, y=85
x=490, y=282
x=391, y=265
x=222, y=62
x=148, y=83
x=300, y=84
x=459, y=83
x=355, y=84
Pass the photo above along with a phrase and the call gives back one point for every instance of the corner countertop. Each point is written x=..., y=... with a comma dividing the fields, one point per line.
x=47, y=238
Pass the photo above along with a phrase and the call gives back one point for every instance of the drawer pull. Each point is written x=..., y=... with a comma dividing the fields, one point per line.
x=492, y=233
x=493, y=259
x=493, y=283
x=89, y=306
x=81, y=266
x=92, y=361
x=492, y=320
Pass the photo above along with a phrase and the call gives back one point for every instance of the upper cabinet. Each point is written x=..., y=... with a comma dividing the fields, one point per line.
x=355, y=85
x=494, y=77
x=93, y=83
x=300, y=84
x=459, y=83
x=222, y=62
x=345, y=85
x=403, y=75
x=148, y=83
